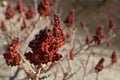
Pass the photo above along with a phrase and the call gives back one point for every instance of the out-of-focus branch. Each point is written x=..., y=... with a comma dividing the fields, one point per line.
x=15, y=74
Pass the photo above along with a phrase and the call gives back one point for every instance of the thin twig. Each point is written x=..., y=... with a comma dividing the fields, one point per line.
x=70, y=47
x=55, y=74
x=27, y=63
x=37, y=73
x=85, y=67
x=97, y=76
x=2, y=66
x=71, y=75
x=26, y=72
x=61, y=67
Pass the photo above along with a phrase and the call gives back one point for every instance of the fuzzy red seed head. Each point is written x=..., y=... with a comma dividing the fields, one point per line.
x=112, y=25
x=99, y=35
x=56, y=20
x=46, y=44
x=71, y=56
x=100, y=32
x=20, y=6
x=83, y=24
x=3, y=26
x=9, y=12
x=69, y=21
x=30, y=13
x=44, y=8
x=12, y=55
x=108, y=43
x=67, y=35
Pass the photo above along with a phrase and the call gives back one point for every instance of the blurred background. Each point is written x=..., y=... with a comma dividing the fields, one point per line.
x=93, y=12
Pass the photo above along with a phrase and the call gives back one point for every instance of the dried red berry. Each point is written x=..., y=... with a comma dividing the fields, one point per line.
x=12, y=55
x=44, y=8
x=20, y=6
x=83, y=24
x=114, y=57
x=112, y=25
x=56, y=20
x=97, y=40
x=59, y=36
x=108, y=43
x=9, y=12
x=69, y=21
x=3, y=26
x=88, y=40
x=67, y=35
x=30, y=13
x=56, y=57
x=99, y=67
x=99, y=35
x=100, y=32
x=71, y=56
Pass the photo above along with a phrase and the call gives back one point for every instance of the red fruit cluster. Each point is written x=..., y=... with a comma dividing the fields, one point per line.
x=30, y=13
x=70, y=19
x=114, y=57
x=99, y=67
x=10, y=12
x=12, y=55
x=45, y=46
x=99, y=35
x=44, y=8
x=20, y=6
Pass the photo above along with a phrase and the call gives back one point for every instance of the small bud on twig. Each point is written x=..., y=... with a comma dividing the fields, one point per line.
x=3, y=26
x=20, y=6
x=10, y=12
x=83, y=24
x=99, y=67
x=71, y=55
x=112, y=25
x=69, y=21
x=114, y=57
x=30, y=13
